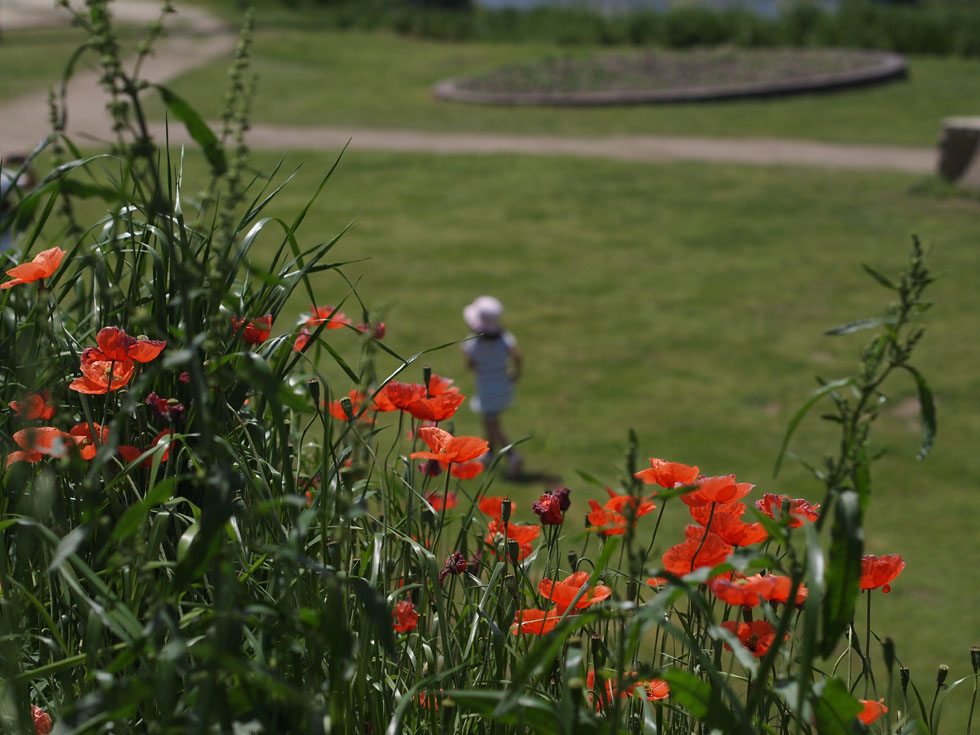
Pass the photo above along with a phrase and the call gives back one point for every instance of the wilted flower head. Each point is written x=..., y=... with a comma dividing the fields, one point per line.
x=548, y=509
x=455, y=564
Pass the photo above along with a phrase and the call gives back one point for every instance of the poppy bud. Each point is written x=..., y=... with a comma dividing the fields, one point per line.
x=426, y=377
x=510, y=582
x=598, y=652
x=572, y=559
x=313, y=386
x=345, y=403
x=888, y=649
x=942, y=674
x=564, y=500
x=513, y=551
x=505, y=511
x=631, y=590
x=975, y=658
x=904, y=675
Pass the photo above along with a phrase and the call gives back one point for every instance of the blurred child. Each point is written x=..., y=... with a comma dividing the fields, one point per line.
x=493, y=355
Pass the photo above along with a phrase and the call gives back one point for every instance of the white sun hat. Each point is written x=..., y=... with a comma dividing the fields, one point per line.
x=483, y=315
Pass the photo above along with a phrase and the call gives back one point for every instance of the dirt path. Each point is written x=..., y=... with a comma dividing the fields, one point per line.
x=196, y=37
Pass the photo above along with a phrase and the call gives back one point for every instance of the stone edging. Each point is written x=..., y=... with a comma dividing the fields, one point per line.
x=884, y=66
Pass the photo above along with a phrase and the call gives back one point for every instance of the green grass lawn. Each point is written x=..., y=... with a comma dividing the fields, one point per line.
x=687, y=302
x=380, y=80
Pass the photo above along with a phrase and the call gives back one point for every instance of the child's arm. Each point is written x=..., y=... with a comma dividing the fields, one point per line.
x=516, y=360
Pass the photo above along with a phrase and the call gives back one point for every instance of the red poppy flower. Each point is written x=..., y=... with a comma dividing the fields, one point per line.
x=101, y=376
x=438, y=501
x=617, y=502
x=402, y=395
x=113, y=344
x=599, y=697
x=44, y=264
x=302, y=339
x=800, y=510
x=756, y=636
x=491, y=506
x=562, y=593
x=872, y=710
x=776, y=588
x=256, y=330
x=446, y=448
x=130, y=453
x=85, y=440
x=876, y=571
x=693, y=554
x=377, y=330
x=722, y=489
x=34, y=406
x=439, y=385
x=44, y=440
x=327, y=315
x=406, y=617
x=656, y=689
x=535, y=622
x=23, y=456
x=436, y=408
x=726, y=521
x=667, y=474
x=467, y=470
x=657, y=581
x=522, y=533
x=740, y=591
x=548, y=509
x=42, y=721
x=336, y=408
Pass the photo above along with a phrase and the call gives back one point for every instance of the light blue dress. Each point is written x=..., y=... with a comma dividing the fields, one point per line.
x=490, y=357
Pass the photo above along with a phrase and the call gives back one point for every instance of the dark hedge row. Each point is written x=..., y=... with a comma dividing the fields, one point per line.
x=952, y=29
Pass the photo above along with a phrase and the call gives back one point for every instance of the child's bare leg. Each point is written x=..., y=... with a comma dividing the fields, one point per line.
x=494, y=432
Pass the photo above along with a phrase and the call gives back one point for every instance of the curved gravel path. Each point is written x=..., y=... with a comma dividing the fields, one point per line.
x=196, y=37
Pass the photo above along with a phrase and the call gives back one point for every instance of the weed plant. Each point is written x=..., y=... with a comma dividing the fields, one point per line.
x=201, y=533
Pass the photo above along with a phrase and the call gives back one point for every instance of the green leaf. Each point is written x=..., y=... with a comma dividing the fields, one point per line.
x=197, y=128
x=798, y=416
x=527, y=711
x=67, y=546
x=927, y=411
x=882, y=279
x=836, y=710
x=843, y=570
x=859, y=324
x=689, y=691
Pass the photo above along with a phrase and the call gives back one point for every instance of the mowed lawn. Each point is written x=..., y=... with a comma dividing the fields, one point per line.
x=687, y=302
x=379, y=80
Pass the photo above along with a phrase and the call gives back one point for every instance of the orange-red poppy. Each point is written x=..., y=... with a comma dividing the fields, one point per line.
x=656, y=689
x=327, y=315
x=800, y=510
x=726, y=521
x=617, y=503
x=871, y=710
x=113, y=344
x=85, y=440
x=44, y=264
x=256, y=330
x=403, y=395
x=562, y=593
x=776, y=588
x=436, y=408
x=446, y=448
x=467, y=470
x=722, y=489
x=742, y=591
x=879, y=571
x=609, y=520
x=336, y=408
x=302, y=339
x=535, y=622
x=440, y=501
x=405, y=615
x=45, y=440
x=522, y=533
x=667, y=474
x=102, y=376
x=706, y=550
x=439, y=385
x=34, y=406
x=130, y=453
x=28, y=455
x=756, y=636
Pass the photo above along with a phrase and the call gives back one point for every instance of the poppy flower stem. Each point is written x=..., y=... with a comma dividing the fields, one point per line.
x=707, y=528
